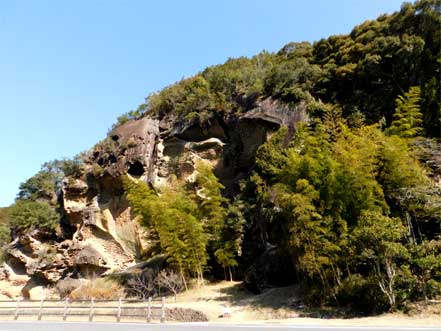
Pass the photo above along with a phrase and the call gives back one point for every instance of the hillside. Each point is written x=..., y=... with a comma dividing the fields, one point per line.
x=317, y=166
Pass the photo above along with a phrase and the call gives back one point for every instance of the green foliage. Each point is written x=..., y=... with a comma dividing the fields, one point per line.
x=173, y=216
x=271, y=156
x=190, y=223
x=72, y=167
x=141, y=199
x=180, y=231
x=107, y=145
x=211, y=202
x=408, y=117
x=190, y=95
x=45, y=183
x=362, y=72
x=378, y=241
x=310, y=235
x=4, y=230
x=4, y=226
x=237, y=79
x=292, y=80
x=230, y=243
x=36, y=203
x=334, y=189
x=426, y=265
x=223, y=221
x=131, y=115
x=27, y=215
x=382, y=58
x=351, y=204
x=400, y=168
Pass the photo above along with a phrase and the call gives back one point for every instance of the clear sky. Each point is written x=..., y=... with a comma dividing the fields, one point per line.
x=69, y=68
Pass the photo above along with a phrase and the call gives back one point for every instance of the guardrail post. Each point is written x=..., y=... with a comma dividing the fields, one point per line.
x=163, y=310
x=91, y=310
x=118, y=314
x=17, y=309
x=40, y=311
x=66, y=308
x=149, y=310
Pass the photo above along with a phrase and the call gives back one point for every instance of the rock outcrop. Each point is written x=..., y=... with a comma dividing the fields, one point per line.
x=98, y=235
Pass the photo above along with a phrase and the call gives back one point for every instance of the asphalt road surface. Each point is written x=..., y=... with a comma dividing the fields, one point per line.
x=72, y=326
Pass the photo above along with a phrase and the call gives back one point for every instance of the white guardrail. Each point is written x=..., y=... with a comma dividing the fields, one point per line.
x=119, y=309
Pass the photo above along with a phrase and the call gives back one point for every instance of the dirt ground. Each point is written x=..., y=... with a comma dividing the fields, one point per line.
x=277, y=306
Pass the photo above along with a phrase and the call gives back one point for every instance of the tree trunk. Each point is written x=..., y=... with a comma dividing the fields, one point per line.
x=183, y=279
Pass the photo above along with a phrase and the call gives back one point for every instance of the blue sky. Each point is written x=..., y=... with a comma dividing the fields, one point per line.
x=69, y=68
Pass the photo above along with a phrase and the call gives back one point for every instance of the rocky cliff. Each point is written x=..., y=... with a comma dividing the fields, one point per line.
x=99, y=236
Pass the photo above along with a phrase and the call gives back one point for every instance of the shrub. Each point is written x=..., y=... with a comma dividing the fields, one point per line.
x=170, y=281
x=362, y=294
x=72, y=168
x=143, y=285
x=107, y=146
x=97, y=170
x=149, y=284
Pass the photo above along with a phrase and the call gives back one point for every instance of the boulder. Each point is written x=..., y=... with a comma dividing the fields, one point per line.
x=67, y=285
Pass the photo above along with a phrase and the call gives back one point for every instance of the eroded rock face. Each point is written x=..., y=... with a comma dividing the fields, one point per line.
x=99, y=234
x=130, y=148
x=35, y=260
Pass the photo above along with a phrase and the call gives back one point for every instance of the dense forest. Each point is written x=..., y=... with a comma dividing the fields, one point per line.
x=352, y=194
x=362, y=73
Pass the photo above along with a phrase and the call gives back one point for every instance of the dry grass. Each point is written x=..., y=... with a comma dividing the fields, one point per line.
x=100, y=289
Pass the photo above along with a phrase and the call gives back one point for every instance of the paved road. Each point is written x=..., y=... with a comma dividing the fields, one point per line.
x=72, y=326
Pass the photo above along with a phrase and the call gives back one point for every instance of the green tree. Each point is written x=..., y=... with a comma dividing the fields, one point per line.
x=178, y=217
x=229, y=248
x=28, y=215
x=380, y=59
x=226, y=257
x=314, y=245
x=426, y=265
x=378, y=239
x=292, y=80
x=357, y=153
x=5, y=231
x=45, y=184
x=211, y=203
x=42, y=185
x=189, y=95
x=142, y=199
x=407, y=121
x=173, y=217
x=271, y=156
